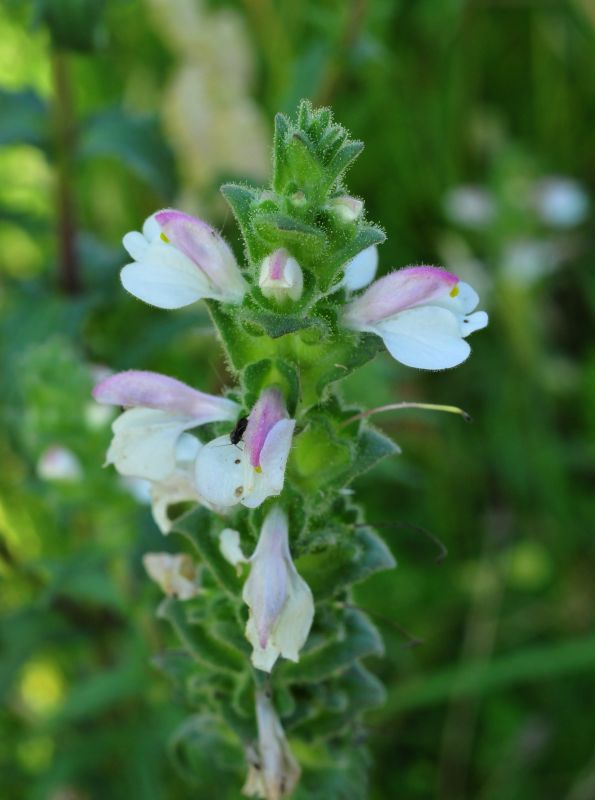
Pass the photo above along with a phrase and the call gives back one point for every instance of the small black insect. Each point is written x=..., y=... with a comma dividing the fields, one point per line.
x=236, y=435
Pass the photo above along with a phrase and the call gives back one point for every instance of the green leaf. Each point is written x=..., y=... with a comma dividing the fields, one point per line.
x=202, y=646
x=372, y=447
x=279, y=152
x=350, y=561
x=281, y=229
x=136, y=142
x=240, y=347
x=23, y=118
x=362, y=691
x=275, y=325
x=343, y=159
x=271, y=372
x=196, y=527
x=359, y=639
x=241, y=200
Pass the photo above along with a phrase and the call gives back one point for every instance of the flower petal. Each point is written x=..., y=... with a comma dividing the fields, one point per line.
x=165, y=278
x=144, y=443
x=152, y=390
x=136, y=245
x=231, y=548
x=428, y=337
x=202, y=245
x=474, y=322
x=295, y=621
x=267, y=411
x=220, y=472
x=400, y=290
x=360, y=271
x=273, y=459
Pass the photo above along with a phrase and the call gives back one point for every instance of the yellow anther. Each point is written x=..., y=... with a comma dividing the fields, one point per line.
x=453, y=292
x=258, y=469
x=164, y=237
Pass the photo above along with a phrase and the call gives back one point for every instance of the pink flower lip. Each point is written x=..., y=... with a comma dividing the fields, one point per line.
x=399, y=290
x=199, y=242
x=151, y=390
x=268, y=410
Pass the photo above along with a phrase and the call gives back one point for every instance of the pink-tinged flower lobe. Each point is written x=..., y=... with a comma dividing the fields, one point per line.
x=405, y=288
x=267, y=412
x=134, y=388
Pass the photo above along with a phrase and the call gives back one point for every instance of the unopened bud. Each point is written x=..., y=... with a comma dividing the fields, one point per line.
x=346, y=208
x=281, y=277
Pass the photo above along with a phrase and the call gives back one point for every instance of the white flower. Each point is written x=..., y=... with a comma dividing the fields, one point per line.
x=280, y=601
x=470, y=206
x=145, y=436
x=273, y=772
x=254, y=469
x=59, y=464
x=361, y=270
x=561, y=202
x=422, y=314
x=174, y=574
x=281, y=277
x=179, y=259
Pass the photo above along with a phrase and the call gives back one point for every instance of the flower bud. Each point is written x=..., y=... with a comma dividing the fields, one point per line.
x=346, y=208
x=281, y=277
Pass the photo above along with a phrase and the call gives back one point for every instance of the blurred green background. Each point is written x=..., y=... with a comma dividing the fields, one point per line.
x=479, y=121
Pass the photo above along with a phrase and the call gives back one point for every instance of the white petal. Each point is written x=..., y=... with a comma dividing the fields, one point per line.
x=165, y=278
x=295, y=621
x=263, y=658
x=136, y=244
x=220, y=472
x=231, y=549
x=151, y=228
x=144, y=443
x=426, y=337
x=360, y=271
x=176, y=488
x=474, y=322
x=273, y=457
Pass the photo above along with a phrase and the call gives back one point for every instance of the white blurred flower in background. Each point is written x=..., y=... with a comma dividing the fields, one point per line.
x=213, y=124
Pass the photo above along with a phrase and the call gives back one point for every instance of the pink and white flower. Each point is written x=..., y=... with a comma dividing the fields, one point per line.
x=280, y=601
x=179, y=259
x=254, y=469
x=423, y=315
x=281, y=277
x=160, y=409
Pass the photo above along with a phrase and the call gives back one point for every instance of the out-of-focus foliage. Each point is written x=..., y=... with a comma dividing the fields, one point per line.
x=107, y=114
